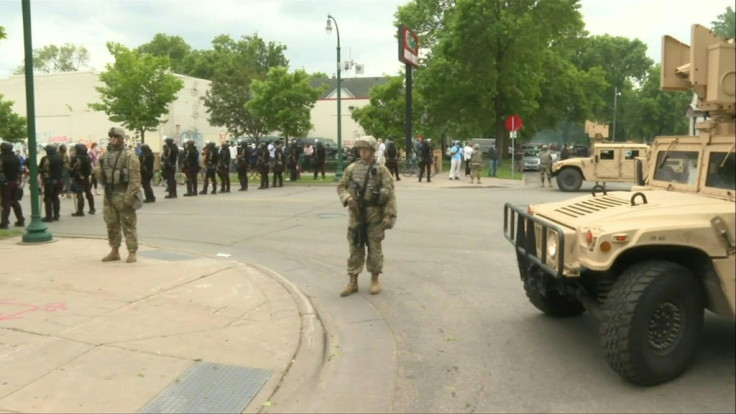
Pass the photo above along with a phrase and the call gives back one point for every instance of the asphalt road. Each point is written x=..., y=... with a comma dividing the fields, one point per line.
x=452, y=330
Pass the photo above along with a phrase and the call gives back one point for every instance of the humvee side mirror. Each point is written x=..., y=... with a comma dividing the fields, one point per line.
x=639, y=171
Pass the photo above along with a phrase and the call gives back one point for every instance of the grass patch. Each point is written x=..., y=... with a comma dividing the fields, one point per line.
x=6, y=234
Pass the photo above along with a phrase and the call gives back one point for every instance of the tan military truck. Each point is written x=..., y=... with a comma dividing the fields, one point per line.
x=646, y=263
x=610, y=162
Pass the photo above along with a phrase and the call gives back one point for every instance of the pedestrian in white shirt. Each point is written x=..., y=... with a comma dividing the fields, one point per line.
x=467, y=154
x=381, y=150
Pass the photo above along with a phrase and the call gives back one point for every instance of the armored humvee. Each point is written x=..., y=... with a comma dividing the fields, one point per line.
x=646, y=263
x=610, y=162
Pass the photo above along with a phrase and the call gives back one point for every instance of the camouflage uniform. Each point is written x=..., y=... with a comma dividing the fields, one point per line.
x=476, y=161
x=378, y=207
x=118, y=202
x=545, y=166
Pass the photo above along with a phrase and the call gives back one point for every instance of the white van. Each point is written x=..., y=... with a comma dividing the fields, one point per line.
x=485, y=144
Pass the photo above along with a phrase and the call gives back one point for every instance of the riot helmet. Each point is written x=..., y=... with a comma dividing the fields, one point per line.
x=80, y=148
x=6, y=147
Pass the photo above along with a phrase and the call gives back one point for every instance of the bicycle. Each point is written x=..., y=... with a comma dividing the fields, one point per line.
x=410, y=167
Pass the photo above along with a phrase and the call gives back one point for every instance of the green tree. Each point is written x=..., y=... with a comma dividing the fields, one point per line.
x=385, y=115
x=725, y=24
x=3, y=35
x=489, y=62
x=284, y=101
x=12, y=126
x=174, y=47
x=138, y=89
x=235, y=65
x=651, y=112
x=52, y=59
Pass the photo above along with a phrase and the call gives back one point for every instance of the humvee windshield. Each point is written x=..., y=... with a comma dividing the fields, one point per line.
x=721, y=171
x=677, y=167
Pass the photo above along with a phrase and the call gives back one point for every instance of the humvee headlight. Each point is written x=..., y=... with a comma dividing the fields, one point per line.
x=552, y=245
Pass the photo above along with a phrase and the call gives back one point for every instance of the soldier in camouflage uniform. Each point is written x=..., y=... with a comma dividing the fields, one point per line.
x=367, y=189
x=120, y=174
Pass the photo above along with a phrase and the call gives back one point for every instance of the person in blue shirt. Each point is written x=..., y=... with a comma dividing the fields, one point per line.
x=456, y=159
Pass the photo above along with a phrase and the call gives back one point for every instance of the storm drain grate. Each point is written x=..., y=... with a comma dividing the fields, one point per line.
x=164, y=255
x=210, y=388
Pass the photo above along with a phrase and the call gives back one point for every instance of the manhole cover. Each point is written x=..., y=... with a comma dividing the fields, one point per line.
x=210, y=388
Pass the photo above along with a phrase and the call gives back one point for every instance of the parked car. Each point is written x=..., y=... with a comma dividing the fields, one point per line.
x=531, y=160
x=329, y=143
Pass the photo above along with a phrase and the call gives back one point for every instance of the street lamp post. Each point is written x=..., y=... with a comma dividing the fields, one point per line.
x=616, y=94
x=328, y=29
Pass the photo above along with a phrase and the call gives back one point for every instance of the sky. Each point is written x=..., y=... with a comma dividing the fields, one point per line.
x=367, y=32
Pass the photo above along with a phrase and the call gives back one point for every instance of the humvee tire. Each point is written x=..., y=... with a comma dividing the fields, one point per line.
x=553, y=304
x=569, y=179
x=653, y=318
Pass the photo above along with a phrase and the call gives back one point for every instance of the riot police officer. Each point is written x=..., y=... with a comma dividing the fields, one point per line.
x=262, y=165
x=241, y=165
x=223, y=167
x=210, y=158
x=81, y=168
x=169, y=160
x=146, y=159
x=9, y=186
x=52, y=171
x=191, y=167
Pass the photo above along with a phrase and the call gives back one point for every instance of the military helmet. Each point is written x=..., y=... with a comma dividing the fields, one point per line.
x=116, y=132
x=50, y=148
x=367, y=142
x=80, y=148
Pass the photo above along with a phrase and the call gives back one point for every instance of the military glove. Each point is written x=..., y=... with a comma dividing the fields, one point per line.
x=352, y=203
x=388, y=222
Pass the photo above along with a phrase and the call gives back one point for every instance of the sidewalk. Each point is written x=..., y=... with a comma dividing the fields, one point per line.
x=79, y=335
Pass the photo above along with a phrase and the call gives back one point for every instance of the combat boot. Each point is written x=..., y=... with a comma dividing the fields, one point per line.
x=351, y=287
x=375, y=286
x=132, y=258
x=113, y=255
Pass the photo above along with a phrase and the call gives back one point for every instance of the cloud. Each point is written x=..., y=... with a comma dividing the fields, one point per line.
x=367, y=34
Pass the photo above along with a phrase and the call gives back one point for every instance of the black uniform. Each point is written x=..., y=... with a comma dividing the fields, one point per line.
x=262, y=165
x=146, y=159
x=168, y=165
x=425, y=160
x=9, y=186
x=210, y=165
x=392, y=159
x=292, y=161
x=191, y=168
x=241, y=166
x=81, y=186
x=52, y=171
x=279, y=164
x=320, y=155
x=223, y=168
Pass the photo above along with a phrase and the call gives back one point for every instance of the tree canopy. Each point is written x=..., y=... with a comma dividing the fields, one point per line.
x=13, y=127
x=284, y=101
x=236, y=65
x=725, y=24
x=138, y=89
x=53, y=59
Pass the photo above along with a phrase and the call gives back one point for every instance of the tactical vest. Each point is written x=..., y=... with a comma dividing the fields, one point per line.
x=115, y=169
x=375, y=194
